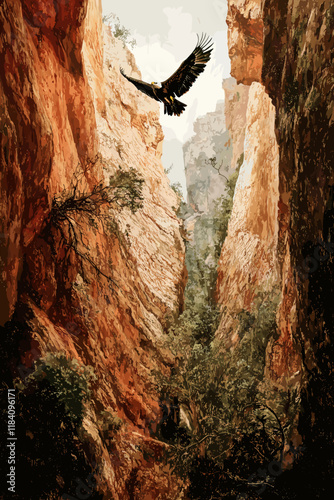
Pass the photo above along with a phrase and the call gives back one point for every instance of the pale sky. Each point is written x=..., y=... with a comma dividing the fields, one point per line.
x=165, y=32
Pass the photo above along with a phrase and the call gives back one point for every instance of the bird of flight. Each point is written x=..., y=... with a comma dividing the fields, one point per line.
x=180, y=81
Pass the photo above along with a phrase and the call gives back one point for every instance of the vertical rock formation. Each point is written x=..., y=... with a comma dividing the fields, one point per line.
x=298, y=77
x=207, y=159
x=245, y=39
x=295, y=91
x=205, y=183
x=63, y=101
x=236, y=98
x=281, y=228
x=249, y=255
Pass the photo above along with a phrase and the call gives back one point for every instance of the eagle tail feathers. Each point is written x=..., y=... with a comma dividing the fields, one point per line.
x=176, y=108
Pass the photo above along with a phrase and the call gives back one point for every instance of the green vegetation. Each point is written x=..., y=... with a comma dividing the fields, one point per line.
x=222, y=420
x=78, y=206
x=233, y=422
x=118, y=30
x=50, y=407
x=68, y=380
x=224, y=209
x=177, y=188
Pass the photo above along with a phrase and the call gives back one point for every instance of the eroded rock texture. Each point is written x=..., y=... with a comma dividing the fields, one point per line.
x=282, y=222
x=63, y=101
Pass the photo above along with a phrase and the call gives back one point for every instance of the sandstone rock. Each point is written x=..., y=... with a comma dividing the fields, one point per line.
x=249, y=255
x=63, y=101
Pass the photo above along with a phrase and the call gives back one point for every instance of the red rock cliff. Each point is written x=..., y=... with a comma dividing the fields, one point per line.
x=281, y=226
x=63, y=101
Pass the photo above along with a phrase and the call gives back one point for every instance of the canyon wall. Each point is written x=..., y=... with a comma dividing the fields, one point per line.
x=64, y=105
x=281, y=228
x=248, y=261
x=277, y=205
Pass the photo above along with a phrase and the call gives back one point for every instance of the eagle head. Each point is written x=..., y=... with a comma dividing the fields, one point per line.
x=158, y=84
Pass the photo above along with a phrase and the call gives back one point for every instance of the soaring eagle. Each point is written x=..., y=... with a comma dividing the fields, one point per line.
x=180, y=81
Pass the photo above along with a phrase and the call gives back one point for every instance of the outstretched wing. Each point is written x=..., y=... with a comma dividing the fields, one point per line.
x=142, y=86
x=183, y=78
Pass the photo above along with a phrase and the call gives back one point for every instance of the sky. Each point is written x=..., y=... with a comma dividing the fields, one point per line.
x=165, y=32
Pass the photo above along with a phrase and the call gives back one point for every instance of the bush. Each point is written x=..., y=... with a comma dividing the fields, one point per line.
x=49, y=411
x=177, y=188
x=234, y=418
x=118, y=30
x=78, y=206
x=68, y=380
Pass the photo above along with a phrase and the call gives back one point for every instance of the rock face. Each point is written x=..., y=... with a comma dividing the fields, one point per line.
x=299, y=78
x=281, y=227
x=245, y=39
x=249, y=255
x=295, y=86
x=63, y=101
x=236, y=98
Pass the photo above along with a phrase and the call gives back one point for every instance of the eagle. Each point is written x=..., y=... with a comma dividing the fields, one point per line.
x=180, y=81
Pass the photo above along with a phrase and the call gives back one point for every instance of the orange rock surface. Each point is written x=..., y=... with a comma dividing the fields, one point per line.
x=63, y=101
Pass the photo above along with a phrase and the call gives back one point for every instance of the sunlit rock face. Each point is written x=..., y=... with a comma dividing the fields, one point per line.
x=249, y=257
x=245, y=39
x=249, y=254
x=64, y=101
x=283, y=53
x=236, y=98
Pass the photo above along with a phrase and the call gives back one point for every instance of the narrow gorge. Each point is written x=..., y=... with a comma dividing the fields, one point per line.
x=162, y=348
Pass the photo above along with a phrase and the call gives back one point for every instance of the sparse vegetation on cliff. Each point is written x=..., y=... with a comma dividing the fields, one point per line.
x=69, y=381
x=118, y=30
x=224, y=209
x=80, y=206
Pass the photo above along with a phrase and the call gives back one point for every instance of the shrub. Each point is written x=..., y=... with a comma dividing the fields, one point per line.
x=118, y=30
x=69, y=381
x=78, y=206
x=222, y=393
x=49, y=410
x=177, y=188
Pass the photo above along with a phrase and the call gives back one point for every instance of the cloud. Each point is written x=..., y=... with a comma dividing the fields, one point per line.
x=165, y=37
x=159, y=58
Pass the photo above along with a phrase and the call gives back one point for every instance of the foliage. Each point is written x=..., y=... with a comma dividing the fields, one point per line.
x=118, y=30
x=79, y=206
x=49, y=409
x=167, y=170
x=224, y=209
x=177, y=188
x=237, y=423
x=69, y=381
